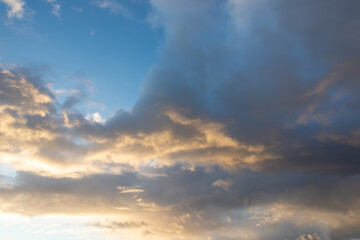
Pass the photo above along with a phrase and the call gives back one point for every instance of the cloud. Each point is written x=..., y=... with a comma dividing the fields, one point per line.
x=222, y=183
x=16, y=8
x=124, y=190
x=246, y=128
x=184, y=202
x=55, y=7
x=231, y=122
x=117, y=225
x=270, y=78
x=77, y=9
x=313, y=236
x=114, y=6
x=96, y=117
x=54, y=134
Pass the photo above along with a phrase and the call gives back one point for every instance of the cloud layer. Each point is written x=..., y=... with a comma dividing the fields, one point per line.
x=247, y=128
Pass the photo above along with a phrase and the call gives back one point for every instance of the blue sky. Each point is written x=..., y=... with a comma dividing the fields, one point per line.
x=179, y=119
x=112, y=48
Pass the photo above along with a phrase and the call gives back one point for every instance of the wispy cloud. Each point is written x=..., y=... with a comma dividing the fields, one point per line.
x=55, y=7
x=120, y=225
x=77, y=9
x=114, y=6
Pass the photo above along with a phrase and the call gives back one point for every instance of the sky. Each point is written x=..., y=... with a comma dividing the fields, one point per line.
x=179, y=120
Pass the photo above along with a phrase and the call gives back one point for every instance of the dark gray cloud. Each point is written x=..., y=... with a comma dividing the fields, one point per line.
x=282, y=75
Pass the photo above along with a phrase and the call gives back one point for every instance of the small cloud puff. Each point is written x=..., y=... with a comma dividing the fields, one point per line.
x=16, y=8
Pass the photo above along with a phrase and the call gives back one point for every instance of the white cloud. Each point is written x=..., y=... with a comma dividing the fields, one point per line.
x=96, y=118
x=114, y=6
x=15, y=8
x=55, y=7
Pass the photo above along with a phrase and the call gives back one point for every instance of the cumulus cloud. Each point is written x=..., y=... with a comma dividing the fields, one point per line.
x=269, y=78
x=247, y=128
x=95, y=117
x=63, y=137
